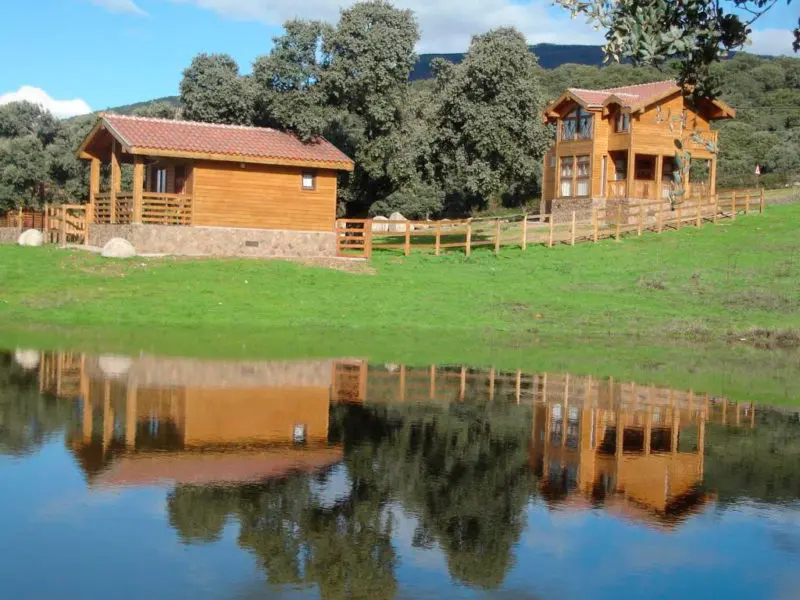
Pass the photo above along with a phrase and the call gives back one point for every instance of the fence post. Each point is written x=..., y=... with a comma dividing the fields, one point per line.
x=19, y=219
x=86, y=227
x=619, y=218
x=63, y=224
x=438, y=238
x=550, y=238
x=699, y=219
x=368, y=239
x=497, y=237
x=46, y=222
x=468, y=243
x=715, y=201
x=595, y=225
x=733, y=206
x=407, y=243
x=680, y=215
x=747, y=203
x=572, y=230
x=525, y=231
x=763, y=201
x=660, y=226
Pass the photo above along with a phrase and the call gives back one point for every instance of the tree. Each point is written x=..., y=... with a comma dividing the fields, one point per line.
x=212, y=91
x=696, y=32
x=19, y=119
x=158, y=110
x=288, y=82
x=488, y=135
x=23, y=172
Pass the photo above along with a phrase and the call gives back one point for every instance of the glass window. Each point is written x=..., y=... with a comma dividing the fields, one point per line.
x=583, y=176
x=623, y=122
x=567, y=171
x=577, y=125
x=309, y=181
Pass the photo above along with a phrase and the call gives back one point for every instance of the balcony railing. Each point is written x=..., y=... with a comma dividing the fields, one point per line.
x=156, y=209
x=704, y=140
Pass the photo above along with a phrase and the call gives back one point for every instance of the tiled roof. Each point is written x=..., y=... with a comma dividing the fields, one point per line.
x=233, y=140
x=629, y=94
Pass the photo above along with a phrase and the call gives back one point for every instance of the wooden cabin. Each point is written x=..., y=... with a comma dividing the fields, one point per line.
x=201, y=188
x=620, y=144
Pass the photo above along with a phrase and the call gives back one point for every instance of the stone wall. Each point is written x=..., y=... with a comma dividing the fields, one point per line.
x=562, y=208
x=9, y=235
x=217, y=241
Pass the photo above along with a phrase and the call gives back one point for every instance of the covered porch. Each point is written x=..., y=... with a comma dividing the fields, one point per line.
x=126, y=188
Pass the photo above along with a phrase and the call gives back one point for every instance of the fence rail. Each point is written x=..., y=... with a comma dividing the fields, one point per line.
x=360, y=237
x=155, y=209
x=66, y=224
x=23, y=219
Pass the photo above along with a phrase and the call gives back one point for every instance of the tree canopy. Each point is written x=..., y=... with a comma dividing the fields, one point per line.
x=213, y=91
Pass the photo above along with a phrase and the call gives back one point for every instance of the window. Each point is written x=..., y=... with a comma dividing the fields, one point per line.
x=577, y=125
x=309, y=181
x=567, y=172
x=582, y=176
x=158, y=181
x=620, y=169
x=623, y=123
x=180, y=179
x=299, y=433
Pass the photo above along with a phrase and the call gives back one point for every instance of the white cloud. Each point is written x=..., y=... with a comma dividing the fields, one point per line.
x=446, y=25
x=60, y=108
x=120, y=6
x=771, y=42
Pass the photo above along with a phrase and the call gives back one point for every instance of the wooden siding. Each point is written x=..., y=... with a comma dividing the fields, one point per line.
x=262, y=197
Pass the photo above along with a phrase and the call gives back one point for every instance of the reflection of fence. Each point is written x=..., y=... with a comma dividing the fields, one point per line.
x=362, y=236
x=355, y=382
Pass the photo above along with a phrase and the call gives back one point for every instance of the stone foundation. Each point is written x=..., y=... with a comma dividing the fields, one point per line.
x=562, y=208
x=217, y=241
x=9, y=235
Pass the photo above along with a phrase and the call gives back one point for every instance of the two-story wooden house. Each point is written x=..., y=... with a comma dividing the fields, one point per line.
x=621, y=144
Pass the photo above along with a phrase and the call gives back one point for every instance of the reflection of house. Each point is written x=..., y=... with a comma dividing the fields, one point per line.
x=146, y=421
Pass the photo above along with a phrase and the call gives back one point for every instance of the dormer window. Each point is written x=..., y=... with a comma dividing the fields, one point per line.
x=577, y=125
x=623, y=123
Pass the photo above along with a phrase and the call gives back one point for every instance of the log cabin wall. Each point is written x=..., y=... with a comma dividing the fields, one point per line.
x=262, y=197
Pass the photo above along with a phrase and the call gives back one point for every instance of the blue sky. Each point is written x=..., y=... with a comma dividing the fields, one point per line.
x=103, y=53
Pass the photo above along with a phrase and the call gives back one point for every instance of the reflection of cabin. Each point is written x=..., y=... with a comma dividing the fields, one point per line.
x=620, y=143
x=272, y=193
x=146, y=421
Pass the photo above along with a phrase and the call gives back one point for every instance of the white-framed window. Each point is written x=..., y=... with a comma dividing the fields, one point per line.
x=577, y=125
x=309, y=180
x=583, y=176
x=567, y=172
x=158, y=181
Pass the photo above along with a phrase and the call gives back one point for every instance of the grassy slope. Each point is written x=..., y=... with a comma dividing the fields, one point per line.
x=630, y=299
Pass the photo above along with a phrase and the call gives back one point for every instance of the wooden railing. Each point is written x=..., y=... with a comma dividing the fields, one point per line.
x=23, y=219
x=66, y=224
x=155, y=209
x=360, y=237
x=702, y=139
x=617, y=188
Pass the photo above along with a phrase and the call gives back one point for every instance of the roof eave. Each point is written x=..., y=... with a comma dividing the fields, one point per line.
x=334, y=165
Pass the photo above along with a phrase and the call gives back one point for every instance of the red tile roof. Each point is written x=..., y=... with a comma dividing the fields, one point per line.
x=630, y=94
x=233, y=140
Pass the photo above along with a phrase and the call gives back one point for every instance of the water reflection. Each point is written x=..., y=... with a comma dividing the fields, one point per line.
x=335, y=474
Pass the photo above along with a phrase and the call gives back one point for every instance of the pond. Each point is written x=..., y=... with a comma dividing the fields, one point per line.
x=147, y=477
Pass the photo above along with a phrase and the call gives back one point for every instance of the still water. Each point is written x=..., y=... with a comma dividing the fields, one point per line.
x=145, y=477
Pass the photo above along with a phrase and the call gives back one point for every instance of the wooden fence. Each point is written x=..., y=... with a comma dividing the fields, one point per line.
x=154, y=209
x=359, y=237
x=66, y=224
x=23, y=219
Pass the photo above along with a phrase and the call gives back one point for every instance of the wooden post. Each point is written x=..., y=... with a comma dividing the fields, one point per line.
x=680, y=214
x=402, y=383
x=550, y=238
x=432, y=390
x=699, y=219
x=407, y=242
x=468, y=243
x=46, y=222
x=497, y=237
x=63, y=224
x=572, y=230
x=715, y=206
x=619, y=219
x=462, y=385
x=595, y=225
x=491, y=384
x=138, y=189
x=518, y=386
x=525, y=231
x=733, y=206
x=368, y=239
x=94, y=187
x=116, y=181
x=659, y=178
x=660, y=226
x=747, y=203
x=763, y=203
x=438, y=238
x=19, y=220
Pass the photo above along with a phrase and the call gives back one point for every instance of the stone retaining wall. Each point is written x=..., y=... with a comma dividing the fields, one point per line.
x=217, y=241
x=562, y=208
x=9, y=235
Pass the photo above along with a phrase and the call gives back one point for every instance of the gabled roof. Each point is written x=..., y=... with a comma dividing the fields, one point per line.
x=189, y=139
x=633, y=97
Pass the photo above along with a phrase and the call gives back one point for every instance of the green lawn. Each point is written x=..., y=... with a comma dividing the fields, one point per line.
x=615, y=307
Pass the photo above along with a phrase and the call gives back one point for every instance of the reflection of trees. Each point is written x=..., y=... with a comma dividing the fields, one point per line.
x=463, y=470
x=760, y=463
x=27, y=418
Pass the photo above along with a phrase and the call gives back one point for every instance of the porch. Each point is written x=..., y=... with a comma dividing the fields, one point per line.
x=629, y=175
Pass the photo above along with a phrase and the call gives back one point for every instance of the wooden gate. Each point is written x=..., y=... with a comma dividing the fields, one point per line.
x=354, y=238
x=66, y=224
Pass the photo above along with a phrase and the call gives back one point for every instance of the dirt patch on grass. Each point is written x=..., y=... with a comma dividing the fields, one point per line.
x=768, y=339
x=768, y=301
x=357, y=267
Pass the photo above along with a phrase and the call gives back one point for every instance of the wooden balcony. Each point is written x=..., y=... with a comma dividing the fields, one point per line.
x=155, y=209
x=642, y=189
x=704, y=140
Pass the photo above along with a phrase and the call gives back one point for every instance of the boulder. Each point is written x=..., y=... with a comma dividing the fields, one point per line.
x=118, y=248
x=396, y=216
x=31, y=237
x=379, y=224
x=27, y=359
